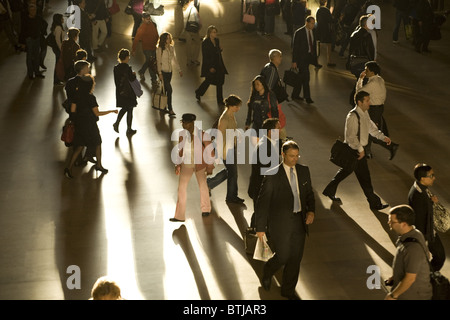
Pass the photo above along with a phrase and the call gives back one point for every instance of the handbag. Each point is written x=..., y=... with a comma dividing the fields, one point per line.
x=51, y=41
x=150, y=9
x=441, y=217
x=136, y=86
x=408, y=31
x=356, y=64
x=343, y=155
x=159, y=99
x=114, y=8
x=439, y=283
x=248, y=16
x=68, y=132
x=262, y=250
x=250, y=239
x=192, y=26
x=291, y=77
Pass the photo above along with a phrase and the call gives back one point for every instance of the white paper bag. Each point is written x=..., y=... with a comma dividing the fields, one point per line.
x=262, y=250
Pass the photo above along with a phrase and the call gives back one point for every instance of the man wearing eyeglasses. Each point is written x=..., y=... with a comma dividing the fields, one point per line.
x=411, y=271
x=421, y=200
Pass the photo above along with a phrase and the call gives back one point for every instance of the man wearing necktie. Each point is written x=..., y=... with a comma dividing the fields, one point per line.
x=284, y=209
x=303, y=54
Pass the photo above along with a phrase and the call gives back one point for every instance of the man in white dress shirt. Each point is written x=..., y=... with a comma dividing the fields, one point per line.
x=376, y=88
x=358, y=127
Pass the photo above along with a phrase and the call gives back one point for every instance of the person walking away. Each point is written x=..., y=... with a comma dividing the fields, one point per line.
x=125, y=96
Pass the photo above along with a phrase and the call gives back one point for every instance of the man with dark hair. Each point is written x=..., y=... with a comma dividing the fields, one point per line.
x=304, y=53
x=358, y=127
x=148, y=35
x=376, y=88
x=265, y=156
x=32, y=30
x=284, y=209
x=421, y=200
x=85, y=37
x=411, y=271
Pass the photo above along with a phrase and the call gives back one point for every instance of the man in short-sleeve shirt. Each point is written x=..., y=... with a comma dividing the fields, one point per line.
x=411, y=271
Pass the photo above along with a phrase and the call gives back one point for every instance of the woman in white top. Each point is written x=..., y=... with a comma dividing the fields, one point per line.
x=165, y=58
x=58, y=32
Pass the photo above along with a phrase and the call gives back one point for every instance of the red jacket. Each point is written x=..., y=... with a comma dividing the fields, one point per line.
x=148, y=34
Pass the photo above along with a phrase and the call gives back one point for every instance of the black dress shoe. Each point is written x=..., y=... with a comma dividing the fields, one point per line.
x=175, y=220
x=309, y=101
x=380, y=207
x=394, y=149
x=131, y=132
x=101, y=169
x=333, y=198
x=198, y=97
x=235, y=200
x=290, y=296
x=67, y=173
x=266, y=282
x=205, y=214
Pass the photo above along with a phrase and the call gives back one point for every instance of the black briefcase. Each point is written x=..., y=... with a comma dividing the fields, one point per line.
x=343, y=156
x=250, y=239
x=291, y=78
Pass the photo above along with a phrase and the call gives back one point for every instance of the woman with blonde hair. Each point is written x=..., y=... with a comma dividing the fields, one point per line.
x=165, y=58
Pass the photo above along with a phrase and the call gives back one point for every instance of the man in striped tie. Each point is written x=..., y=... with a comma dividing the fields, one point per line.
x=284, y=209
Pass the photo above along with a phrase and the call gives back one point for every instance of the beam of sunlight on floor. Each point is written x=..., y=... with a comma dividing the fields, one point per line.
x=121, y=266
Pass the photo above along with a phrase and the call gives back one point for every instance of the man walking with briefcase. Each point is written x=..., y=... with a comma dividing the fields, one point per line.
x=358, y=127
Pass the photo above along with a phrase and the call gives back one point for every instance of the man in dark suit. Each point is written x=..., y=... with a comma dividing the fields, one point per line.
x=284, y=209
x=303, y=54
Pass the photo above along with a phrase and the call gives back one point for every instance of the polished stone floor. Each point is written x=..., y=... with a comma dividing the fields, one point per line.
x=118, y=223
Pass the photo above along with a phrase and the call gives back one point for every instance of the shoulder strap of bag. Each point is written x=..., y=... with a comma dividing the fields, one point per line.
x=410, y=239
x=359, y=125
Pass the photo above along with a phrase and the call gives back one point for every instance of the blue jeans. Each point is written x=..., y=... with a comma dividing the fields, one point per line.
x=230, y=174
x=149, y=55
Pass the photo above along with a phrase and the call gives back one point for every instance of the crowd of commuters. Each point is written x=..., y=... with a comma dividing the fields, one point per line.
x=282, y=191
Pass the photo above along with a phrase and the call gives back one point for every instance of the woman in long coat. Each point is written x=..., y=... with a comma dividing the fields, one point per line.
x=125, y=96
x=325, y=29
x=213, y=68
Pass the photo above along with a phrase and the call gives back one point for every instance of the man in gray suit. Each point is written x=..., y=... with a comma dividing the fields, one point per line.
x=284, y=209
